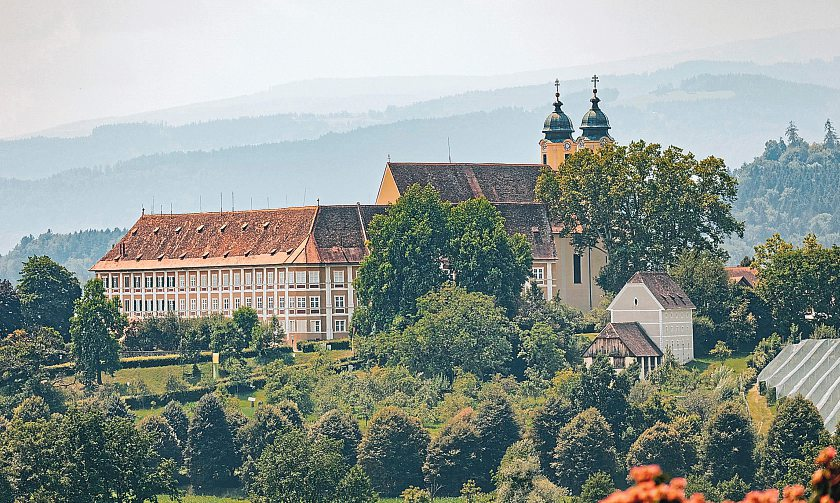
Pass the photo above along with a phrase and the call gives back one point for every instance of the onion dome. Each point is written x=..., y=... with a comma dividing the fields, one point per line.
x=595, y=124
x=558, y=126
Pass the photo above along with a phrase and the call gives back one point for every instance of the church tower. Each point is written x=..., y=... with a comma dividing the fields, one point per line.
x=558, y=130
x=595, y=126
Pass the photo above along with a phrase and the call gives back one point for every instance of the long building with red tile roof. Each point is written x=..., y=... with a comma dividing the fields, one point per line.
x=298, y=264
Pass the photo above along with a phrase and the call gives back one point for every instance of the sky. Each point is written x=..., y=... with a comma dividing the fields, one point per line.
x=69, y=60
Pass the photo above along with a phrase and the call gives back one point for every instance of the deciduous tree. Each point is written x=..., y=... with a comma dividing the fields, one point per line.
x=94, y=329
x=342, y=427
x=393, y=450
x=211, y=451
x=584, y=446
x=642, y=204
x=47, y=293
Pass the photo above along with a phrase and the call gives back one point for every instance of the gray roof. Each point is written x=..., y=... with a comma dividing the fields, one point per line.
x=664, y=288
x=530, y=219
x=631, y=335
x=458, y=182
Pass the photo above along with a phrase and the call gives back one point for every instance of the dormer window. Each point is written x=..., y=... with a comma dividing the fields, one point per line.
x=177, y=229
x=244, y=226
x=223, y=227
x=199, y=228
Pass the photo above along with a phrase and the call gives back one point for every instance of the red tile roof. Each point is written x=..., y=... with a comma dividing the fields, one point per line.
x=217, y=238
x=744, y=275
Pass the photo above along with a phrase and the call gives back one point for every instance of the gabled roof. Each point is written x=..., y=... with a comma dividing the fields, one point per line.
x=458, y=182
x=666, y=291
x=530, y=219
x=212, y=238
x=746, y=276
x=631, y=335
x=338, y=235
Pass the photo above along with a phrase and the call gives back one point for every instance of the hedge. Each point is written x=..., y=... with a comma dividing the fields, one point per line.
x=313, y=346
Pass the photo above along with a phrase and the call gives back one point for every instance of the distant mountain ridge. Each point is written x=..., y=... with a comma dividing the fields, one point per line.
x=76, y=251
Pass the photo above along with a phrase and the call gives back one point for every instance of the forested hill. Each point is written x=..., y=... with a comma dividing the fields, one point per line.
x=793, y=188
x=76, y=251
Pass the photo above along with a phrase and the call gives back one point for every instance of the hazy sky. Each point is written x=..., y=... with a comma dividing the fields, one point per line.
x=63, y=61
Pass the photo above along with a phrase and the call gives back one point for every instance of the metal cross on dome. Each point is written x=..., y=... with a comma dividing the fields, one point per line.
x=595, y=81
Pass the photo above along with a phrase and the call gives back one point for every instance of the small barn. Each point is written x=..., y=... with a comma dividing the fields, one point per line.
x=624, y=344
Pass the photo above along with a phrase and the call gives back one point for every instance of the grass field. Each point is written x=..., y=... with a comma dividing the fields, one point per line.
x=761, y=413
x=737, y=362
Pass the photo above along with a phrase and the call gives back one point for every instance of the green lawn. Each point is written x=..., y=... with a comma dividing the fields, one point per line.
x=737, y=362
x=761, y=413
x=155, y=377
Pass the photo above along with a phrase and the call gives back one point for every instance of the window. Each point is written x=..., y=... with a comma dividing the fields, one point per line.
x=136, y=281
x=149, y=282
x=170, y=305
x=314, y=277
x=214, y=280
x=339, y=301
x=269, y=278
x=137, y=305
x=293, y=326
x=126, y=305
x=237, y=302
x=247, y=279
x=281, y=302
x=115, y=282
x=259, y=302
x=314, y=302
x=271, y=302
x=150, y=305
x=203, y=281
x=300, y=278
x=226, y=304
x=338, y=277
x=537, y=273
x=215, y=304
x=576, y=265
x=340, y=326
x=192, y=280
x=204, y=304
x=248, y=301
x=259, y=279
x=545, y=159
x=236, y=279
x=301, y=302
x=315, y=326
x=281, y=278
x=182, y=305
x=170, y=281
x=161, y=304
x=192, y=304
x=225, y=279
x=181, y=281
x=159, y=282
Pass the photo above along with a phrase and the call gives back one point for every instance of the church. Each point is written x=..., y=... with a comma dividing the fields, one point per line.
x=298, y=263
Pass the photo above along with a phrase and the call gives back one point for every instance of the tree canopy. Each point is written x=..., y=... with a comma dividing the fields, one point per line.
x=47, y=292
x=642, y=204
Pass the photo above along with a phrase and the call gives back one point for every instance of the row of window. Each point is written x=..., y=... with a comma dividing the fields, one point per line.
x=150, y=305
x=250, y=278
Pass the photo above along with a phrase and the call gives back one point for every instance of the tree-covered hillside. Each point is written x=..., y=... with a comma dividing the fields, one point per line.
x=76, y=251
x=791, y=189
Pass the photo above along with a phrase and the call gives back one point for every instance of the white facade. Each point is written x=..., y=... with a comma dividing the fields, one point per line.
x=668, y=327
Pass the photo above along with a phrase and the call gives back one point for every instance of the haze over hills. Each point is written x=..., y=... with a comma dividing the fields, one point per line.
x=325, y=140
x=767, y=56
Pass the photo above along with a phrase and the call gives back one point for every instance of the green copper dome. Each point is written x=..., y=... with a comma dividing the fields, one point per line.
x=595, y=124
x=558, y=126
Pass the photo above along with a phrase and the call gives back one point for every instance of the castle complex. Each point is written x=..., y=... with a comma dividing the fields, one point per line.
x=299, y=263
